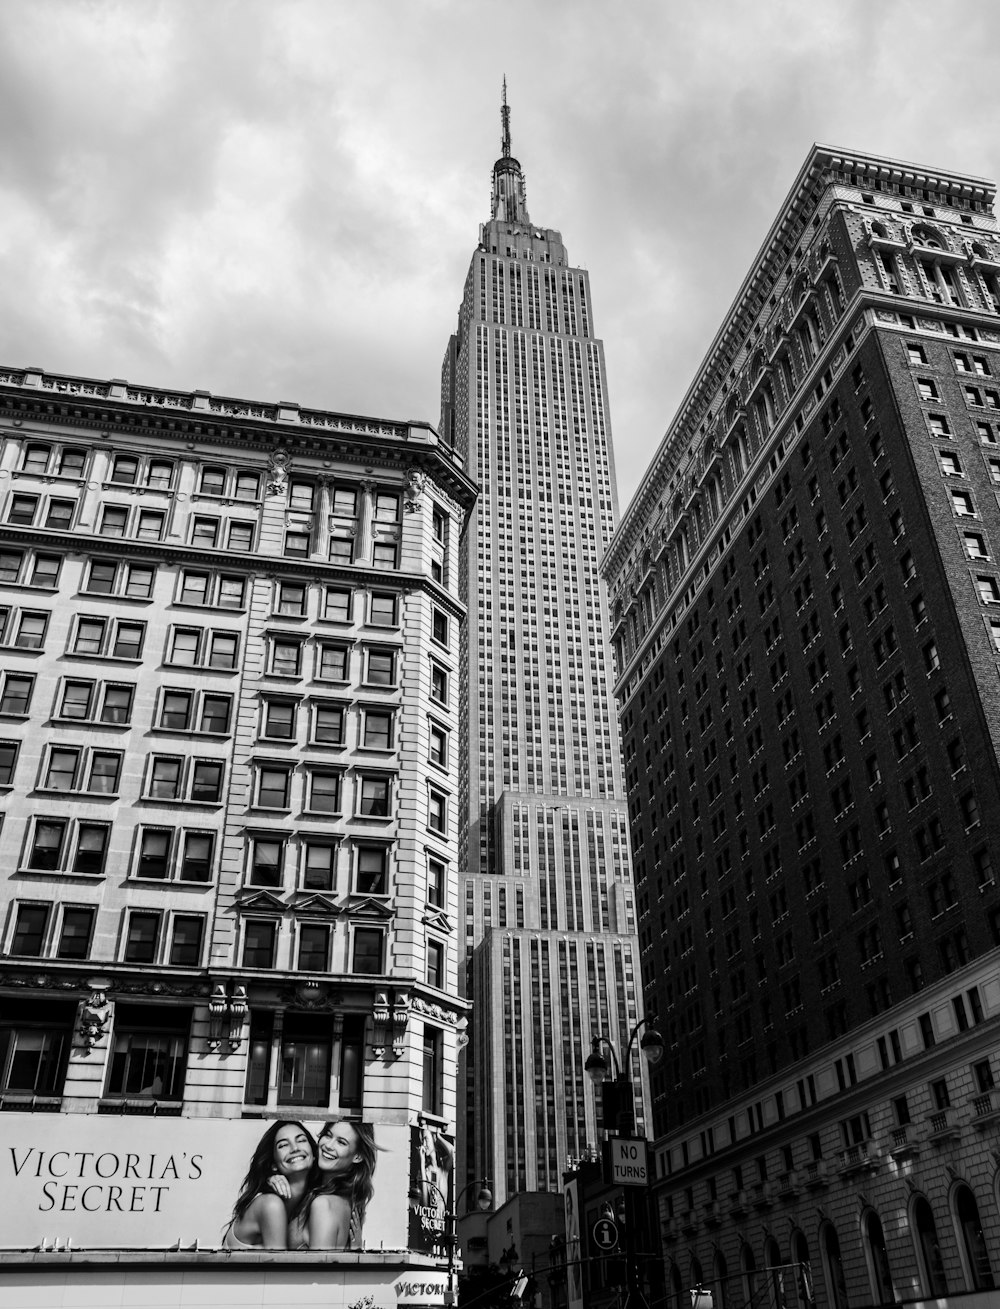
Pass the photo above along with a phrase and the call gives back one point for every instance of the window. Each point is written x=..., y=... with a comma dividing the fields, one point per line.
x=989, y=590
x=950, y=463
x=431, y=1098
x=186, y=940
x=59, y=515
x=196, y=857
x=19, y=569
x=206, y=781
x=205, y=532
x=35, y=458
x=265, y=864
x=21, y=510
x=386, y=507
x=324, y=792
x=296, y=544
x=306, y=1049
x=149, y=1052
x=332, y=663
x=439, y=684
x=352, y=1064
x=377, y=730
x=382, y=611
x=195, y=647
x=141, y=937
x=381, y=667
x=278, y=719
x=286, y=657
x=437, y=873
x=963, y=505
x=75, y=932
x=211, y=590
x=439, y=524
x=337, y=605
x=435, y=964
x=273, y=786
x=34, y=1046
x=327, y=723
x=24, y=629
x=301, y=495
x=975, y=545
x=373, y=796
x=149, y=524
x=438, y=749
x=15, y=693
x=437, y=811
x=108, y=638
x=314, y=948
x=55, y=841
x=345, y=502
x=384, y=555
x=260, y=938
x=439, y=627
x=318, y=866
x=291, y=599
x=8, y=761
x=372, y=870
x=367, y=956
x=240, y=536
x=30, y=927
x=341, y=548
x=75, y=768
x=194, y=711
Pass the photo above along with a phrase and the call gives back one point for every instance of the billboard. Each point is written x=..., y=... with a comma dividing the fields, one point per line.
x=235, y=1184
x=432, y=1161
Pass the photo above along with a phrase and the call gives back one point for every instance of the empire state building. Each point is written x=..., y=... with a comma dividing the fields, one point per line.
x=551, y=954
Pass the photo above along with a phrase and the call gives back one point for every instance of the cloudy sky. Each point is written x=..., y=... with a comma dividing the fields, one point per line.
x=278, y=199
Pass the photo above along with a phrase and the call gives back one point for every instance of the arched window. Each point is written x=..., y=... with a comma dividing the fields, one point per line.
x=877, y=1259
x=803, y=1269
x=748, y=1267
x=697, y=1276
x=741, y=452
x=787, y=376
x=972, y=1241
x=774, y=1264
x=676, y=1289
x=929, y=1257
x=833, y=1267
x=720, y=1287
x=712, y=495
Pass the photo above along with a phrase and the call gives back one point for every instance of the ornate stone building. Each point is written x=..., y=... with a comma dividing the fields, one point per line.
x=806, y=620
x=229, y=769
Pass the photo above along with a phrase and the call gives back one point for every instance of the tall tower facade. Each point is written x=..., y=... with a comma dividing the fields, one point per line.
x=551, y=951
x=805, y=594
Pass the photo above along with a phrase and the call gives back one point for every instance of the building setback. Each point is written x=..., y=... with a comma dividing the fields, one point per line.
x=229, y=640
x=550, y=946
x=806, y=621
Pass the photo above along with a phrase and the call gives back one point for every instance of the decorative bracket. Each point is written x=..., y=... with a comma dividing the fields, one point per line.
x=94, y=1018
x=227, y=1016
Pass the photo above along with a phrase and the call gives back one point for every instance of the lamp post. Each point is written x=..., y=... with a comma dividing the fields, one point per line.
x=618, y=1104
x=484, y=1201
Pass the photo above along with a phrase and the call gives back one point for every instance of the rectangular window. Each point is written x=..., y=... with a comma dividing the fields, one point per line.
x=75, y=932
x=437, y=872
x=374, y=795
x=296, y=545
x=15, y=693
x=318, y=860
x=149, y=1053
x=206, y=781
x=306, y=1050
x=279, y=719
x=241, y=536
x=381, y=668
x=439, y=684
x=337, y=605
x=205, y=532
x=372, y=870
x=435, y=964
x=21, y=510
x=438, y=746
x=382, y=612
x=332, y=663
x=291, y=599
x=324, y=793
x=273, y=786
x=34, y=1047
x=149, y=525
x=8, y=761
x=437, y=811
x=286, y=658
x=30, y=926
x=345, y=502
x=384, y=555
x=386, y=507
x=141, y=937
x=377, y=730
x=328, y=724
x=31, y=628
x=154, y=852
x=164, y=777
x=266, y=857
x=260, y=937
x=431, y=1070
x=440, y=627
x=341, y=549
x=367, y=950
x=185, y=940
x=314, y=948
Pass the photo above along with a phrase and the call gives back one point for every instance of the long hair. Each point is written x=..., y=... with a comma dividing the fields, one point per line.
x=262, y=1165
x=356, y=1184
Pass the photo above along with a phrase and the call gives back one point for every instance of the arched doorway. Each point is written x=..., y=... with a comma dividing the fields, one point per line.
x=928, y=1248
x=833, y=1267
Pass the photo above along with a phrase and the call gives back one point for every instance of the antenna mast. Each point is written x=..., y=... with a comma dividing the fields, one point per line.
x=505, y=120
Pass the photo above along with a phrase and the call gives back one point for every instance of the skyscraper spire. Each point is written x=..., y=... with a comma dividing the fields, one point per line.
x=509, y=203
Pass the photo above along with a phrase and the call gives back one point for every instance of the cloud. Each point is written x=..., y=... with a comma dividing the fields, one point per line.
x=280, y=201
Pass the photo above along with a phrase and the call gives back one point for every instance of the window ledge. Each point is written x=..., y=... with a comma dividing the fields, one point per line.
x=101, y=658
x=207, y=608
x=61, y=873
x=76, y=793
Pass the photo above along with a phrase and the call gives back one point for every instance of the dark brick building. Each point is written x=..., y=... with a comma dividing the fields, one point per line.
x=806, y=599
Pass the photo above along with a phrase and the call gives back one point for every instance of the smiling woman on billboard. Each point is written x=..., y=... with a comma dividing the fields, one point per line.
x=330, y=1214
x=261, y=1217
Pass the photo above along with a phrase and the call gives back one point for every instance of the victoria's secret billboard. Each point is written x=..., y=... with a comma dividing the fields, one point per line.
x=130, y=1182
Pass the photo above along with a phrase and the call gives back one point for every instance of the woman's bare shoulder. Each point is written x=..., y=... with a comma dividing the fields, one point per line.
x=331, y=1203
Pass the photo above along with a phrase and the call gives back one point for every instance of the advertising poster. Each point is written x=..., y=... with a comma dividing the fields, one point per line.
x=574, y=1269
x=234, y=1184
x=432, y=1160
